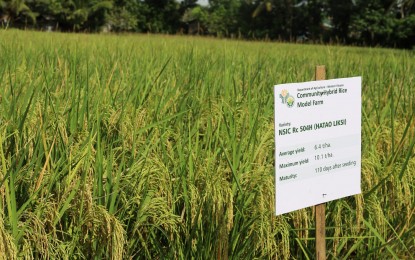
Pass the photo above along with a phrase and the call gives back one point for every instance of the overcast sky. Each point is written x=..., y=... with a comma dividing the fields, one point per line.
x=203, y=2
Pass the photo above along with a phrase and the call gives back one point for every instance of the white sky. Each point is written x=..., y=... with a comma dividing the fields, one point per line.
x=203, y=2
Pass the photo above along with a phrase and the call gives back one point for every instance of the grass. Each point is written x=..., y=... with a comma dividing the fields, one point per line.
x=146, y=147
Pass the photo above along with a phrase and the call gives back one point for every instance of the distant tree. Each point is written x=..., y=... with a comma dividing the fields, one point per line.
x=341, y=12
x=99, y=11
x=196, y=20
x=262, y=6
x=406, y=7
x=48, y=12
x=366, y=22
x=224, y=17
x=273, y=19
x=162, y=16
x=315, y=13
x=16, y=12
x=189, y=3
x=74, y=15
x=124, y=15
x=384, y=23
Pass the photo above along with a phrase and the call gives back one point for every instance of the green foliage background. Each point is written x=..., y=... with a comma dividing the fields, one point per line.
x=161, y=147
x=358, y=22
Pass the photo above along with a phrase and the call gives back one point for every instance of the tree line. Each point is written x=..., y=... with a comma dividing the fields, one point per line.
x=361, y=22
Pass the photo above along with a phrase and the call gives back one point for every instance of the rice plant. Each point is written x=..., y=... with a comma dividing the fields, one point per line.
x=161, y=147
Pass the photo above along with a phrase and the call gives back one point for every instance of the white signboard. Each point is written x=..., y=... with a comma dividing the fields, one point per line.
x=317, y=142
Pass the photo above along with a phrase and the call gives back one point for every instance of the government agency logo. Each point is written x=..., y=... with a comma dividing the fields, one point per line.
x=286, y=98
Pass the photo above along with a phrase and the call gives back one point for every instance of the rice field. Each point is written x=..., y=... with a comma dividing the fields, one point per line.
x=162, y=147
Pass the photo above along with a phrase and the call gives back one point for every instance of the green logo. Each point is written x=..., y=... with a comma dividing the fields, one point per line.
x=286, y=98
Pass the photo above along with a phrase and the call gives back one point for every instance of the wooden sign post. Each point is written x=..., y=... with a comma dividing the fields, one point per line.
x=320, y=209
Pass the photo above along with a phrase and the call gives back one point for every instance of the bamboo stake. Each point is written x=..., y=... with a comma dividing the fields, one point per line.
x=320, y=209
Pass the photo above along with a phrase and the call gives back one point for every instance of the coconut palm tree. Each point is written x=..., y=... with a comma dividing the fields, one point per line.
x=405, y=6
x=12, y=11
x=78, y=14
x=263, y=5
